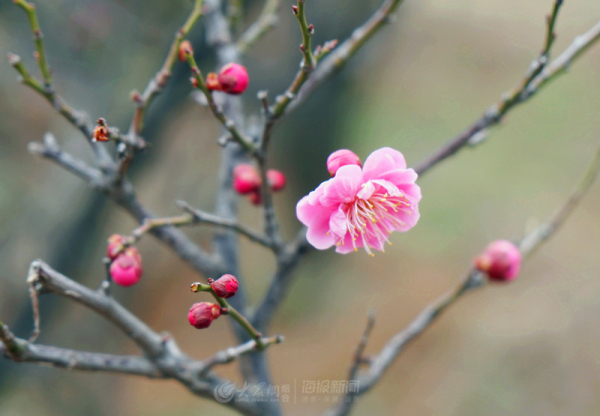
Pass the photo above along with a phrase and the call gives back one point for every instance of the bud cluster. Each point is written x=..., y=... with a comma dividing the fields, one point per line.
x=202, y=314
x=126, y=262
x=247, y=181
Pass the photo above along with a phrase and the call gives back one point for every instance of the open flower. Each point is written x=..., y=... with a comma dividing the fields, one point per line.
x=362, y=207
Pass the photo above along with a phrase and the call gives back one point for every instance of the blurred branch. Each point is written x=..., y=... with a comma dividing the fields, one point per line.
x=78, y=119
x=163, y=359
x=359, y=358
x=46, y=280
x=338, y=58
x=157, y=83
x=38, y=37
x=265, y=22
x=534, y=239
x=475, y=279
x=201, y=217
x=231, y=354
x=123, y=194
x=50, y=150
x=280, y=283
x=79, y=360
x=538, y=76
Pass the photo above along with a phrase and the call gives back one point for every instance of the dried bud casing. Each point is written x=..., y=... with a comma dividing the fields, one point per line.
x=185, y=50
x=115, y=243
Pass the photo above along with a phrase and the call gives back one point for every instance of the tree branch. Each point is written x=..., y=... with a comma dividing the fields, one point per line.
x=338, y=58
x=44, y=279
x=201, y=217
x=537, y=77
x=265, y=22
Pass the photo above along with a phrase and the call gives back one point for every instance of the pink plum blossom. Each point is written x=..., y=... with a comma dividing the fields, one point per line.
x=361, y=207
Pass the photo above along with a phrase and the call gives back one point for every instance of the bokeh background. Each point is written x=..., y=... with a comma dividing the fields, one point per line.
x=527, y=348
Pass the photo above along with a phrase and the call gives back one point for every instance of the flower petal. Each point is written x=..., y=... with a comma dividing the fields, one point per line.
x=343, y=187
x=338, y=223
x=381, y=161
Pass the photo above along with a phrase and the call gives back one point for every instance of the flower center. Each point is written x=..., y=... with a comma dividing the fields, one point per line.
x=374, y=219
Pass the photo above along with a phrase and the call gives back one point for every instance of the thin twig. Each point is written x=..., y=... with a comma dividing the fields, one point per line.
x=228, y=223
x=38, y=37
x=217, y=111
x=157, y=83
x=521, y=93
x=337, y=59
x=359, y=358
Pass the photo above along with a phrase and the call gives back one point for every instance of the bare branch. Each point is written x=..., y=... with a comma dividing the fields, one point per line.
x=338, y=58
x=50, y=149
x=46, y=280
x=81, y=360
x=360, y=349
x=537, y=78
x=231, y=354
x=265, y=22
x=228, y=223
x=156, y=84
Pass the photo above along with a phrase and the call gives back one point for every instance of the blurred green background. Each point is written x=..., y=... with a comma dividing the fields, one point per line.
x=530, y=348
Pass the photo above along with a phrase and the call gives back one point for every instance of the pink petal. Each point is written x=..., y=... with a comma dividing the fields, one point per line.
x=381, y=161
x=338, y=223
x=343, y=187
x=399, y=176
x=318, y=234
x=347, y=247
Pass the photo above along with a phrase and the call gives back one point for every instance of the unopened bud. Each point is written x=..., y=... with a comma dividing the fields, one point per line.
x=226, y=286
x=233, y=78
x=276, y=180
x=501, y=261
x=202, y=314
x=126, y=269
x=246, y=179
x=341, y=158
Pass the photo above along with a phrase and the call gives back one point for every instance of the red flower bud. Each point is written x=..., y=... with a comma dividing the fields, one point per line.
x=276, y=179
x=246, y=179
x=126, y=269
x=185, y=49
x=225, y=286
x=115, y=242
x=202, y=314
x=255, y=198
x=501, y=261
x=233, y=78
x=341, y=158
